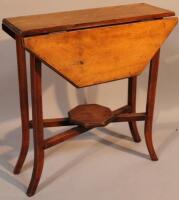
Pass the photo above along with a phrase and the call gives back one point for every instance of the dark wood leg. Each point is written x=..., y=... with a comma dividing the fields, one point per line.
x=153, y=73
x=23, y=93
x=37, y=123
x=132, y=87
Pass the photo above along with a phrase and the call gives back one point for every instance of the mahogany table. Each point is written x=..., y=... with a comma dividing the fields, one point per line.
x=88, y=47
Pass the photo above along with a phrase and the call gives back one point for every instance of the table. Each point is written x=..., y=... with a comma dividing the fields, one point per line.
x=96, y=46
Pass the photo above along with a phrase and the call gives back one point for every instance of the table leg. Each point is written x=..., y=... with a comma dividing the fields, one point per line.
x=132, y=87
x=152, y=83
x=37, y=121
x=23, y=93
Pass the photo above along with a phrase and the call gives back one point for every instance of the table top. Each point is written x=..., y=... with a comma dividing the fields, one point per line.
x=93, y=56
x=79, y=19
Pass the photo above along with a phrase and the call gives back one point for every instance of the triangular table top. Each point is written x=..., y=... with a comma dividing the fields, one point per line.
x=98, y=55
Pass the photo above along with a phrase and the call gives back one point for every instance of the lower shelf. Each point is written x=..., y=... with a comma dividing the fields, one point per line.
x=90, y=115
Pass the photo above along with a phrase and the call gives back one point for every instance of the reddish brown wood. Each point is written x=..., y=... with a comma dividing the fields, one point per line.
x=94, y=115
x=152, y=83
x=79, y=19
x=54, y=122
x=132, y=87
x=9, y=31
x=119, y=115
x=130, y=117
x=66, y=122
x=37, y=115
x=90, y=115
x=64, y=136
x=23, y=94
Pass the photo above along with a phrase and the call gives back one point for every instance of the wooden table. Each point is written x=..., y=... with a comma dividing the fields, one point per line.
x=88, y=47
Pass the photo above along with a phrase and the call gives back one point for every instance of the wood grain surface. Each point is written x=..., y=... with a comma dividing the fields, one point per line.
x=99, y=55
x=90, y=115
x=77, y=19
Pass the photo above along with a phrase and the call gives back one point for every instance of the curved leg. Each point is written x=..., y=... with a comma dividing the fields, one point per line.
x=150, y=104
x=134, y=131
x=23, y=93
x=37, y=125
x=37, y=171
x=148, y=138
x=132, y=86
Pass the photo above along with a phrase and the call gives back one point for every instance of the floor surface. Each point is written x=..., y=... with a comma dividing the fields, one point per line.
x=102, y=164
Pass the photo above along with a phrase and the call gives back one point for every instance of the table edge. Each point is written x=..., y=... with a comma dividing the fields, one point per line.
x=13, y=31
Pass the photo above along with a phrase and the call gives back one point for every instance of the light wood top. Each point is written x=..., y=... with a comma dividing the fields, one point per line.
x=98, y=55
x=46, y=23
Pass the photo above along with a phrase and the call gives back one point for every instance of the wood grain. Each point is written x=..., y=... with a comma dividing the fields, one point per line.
x=93, y=56
x=66, y=135
x=132, y=94
x=150, y=105
x=90, y=115
x=23, y=97
x=55, y=122
x=37, y=118
x=77, y=19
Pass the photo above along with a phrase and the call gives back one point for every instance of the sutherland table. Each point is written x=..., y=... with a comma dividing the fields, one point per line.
x=88, y=47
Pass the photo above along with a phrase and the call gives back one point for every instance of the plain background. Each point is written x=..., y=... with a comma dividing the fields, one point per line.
x=105, y=163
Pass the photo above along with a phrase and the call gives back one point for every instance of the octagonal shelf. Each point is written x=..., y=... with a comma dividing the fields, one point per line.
x=90, y=115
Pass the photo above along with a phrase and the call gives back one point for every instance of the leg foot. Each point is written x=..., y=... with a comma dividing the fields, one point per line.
x=132, y=87
x=22, y=156
x=37, y=171
x=134, y=132
x=149, y=142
